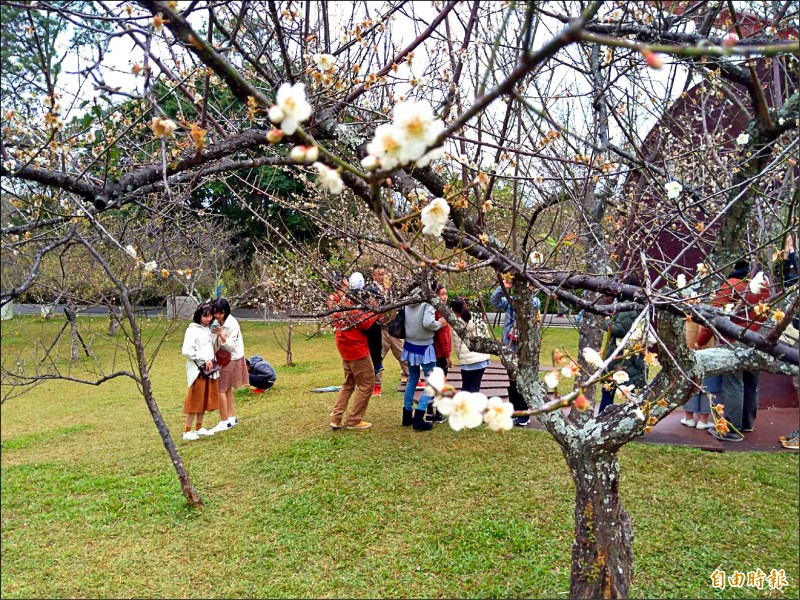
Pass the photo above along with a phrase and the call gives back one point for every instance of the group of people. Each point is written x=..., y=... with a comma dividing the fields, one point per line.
x=732, y=396
x=215, y=367
x=363, y=341
x=737, y=391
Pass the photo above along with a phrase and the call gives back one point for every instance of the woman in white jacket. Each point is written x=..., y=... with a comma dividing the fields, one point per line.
x=472, y=364
x=228, y=339
x=203, y=394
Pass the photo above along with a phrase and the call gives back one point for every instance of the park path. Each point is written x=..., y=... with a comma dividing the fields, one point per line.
x=771, y=422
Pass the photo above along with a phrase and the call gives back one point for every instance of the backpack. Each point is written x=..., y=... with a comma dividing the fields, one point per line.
x=397, y=326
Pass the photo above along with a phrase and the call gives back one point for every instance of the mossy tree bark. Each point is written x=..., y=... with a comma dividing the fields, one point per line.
x=602, y=551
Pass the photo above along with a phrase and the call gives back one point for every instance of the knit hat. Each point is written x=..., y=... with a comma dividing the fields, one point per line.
x=356, y=281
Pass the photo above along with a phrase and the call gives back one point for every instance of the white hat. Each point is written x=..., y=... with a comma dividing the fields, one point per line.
x=356, y=281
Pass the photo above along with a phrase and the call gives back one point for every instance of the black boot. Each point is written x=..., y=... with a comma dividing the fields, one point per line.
x=408, y=417
x=433, y=415
x=420, y=424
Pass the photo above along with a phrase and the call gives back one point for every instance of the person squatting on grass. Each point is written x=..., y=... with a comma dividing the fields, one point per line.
x=261, y=374
x=418, y=351
x=473, y=364
x=351, y=341
x=229, y=346
x=203, y=394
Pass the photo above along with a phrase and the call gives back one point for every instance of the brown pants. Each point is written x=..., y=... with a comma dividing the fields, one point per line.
x=396, y=346
x=359, y=376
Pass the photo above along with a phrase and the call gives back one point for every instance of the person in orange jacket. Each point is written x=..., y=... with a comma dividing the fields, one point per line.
x=739, y=389
x=351, y=341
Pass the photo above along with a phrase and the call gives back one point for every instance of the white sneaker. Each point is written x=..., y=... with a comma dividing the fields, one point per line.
x=706, y=425
x=232, y=421
x=204, y=431
x=221, y=426
x=191, y=436
x=688, y=422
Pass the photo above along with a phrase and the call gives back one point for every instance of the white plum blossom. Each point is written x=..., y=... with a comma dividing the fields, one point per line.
x=620, y=377
x=625, y=390
x=436, y=381
x=465, y=409
x=535, y=258
x=329, y=179
x=639, y=414
x=551, y=380
x=702, y=270
x=498, y=415
x=324, y=62
x=407, y=138
x=131, y=251
x=681, y=281
x=434, y=217
x=370, y=162
x=149, y=267
x=312, y=154
x=418, y=128
x=385, y=146
x=758, y=282
x=593, y=358
x=304, y=154
x=743, y=138
x=728, y=308
x=291, y=108
x=432, y=155
x=674, y=189
x=115, y=117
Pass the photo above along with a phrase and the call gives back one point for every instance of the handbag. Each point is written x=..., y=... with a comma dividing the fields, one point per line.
x=223, y=357
x=397, y=326
x=214, y=368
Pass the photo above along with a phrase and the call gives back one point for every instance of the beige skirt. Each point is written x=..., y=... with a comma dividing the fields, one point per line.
x=233, y=375
x=203, y=396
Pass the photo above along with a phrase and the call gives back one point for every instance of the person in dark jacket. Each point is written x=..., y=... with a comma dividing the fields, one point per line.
x=499, y=300
x=262, y=375
x=632, y=365
x=373, y=297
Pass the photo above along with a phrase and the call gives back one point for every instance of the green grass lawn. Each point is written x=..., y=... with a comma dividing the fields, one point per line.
x=91, y=506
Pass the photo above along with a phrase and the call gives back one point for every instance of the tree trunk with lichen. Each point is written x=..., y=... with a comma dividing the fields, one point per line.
x=602, y=552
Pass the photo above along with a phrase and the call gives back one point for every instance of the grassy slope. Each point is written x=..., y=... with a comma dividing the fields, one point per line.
x=91, y=506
